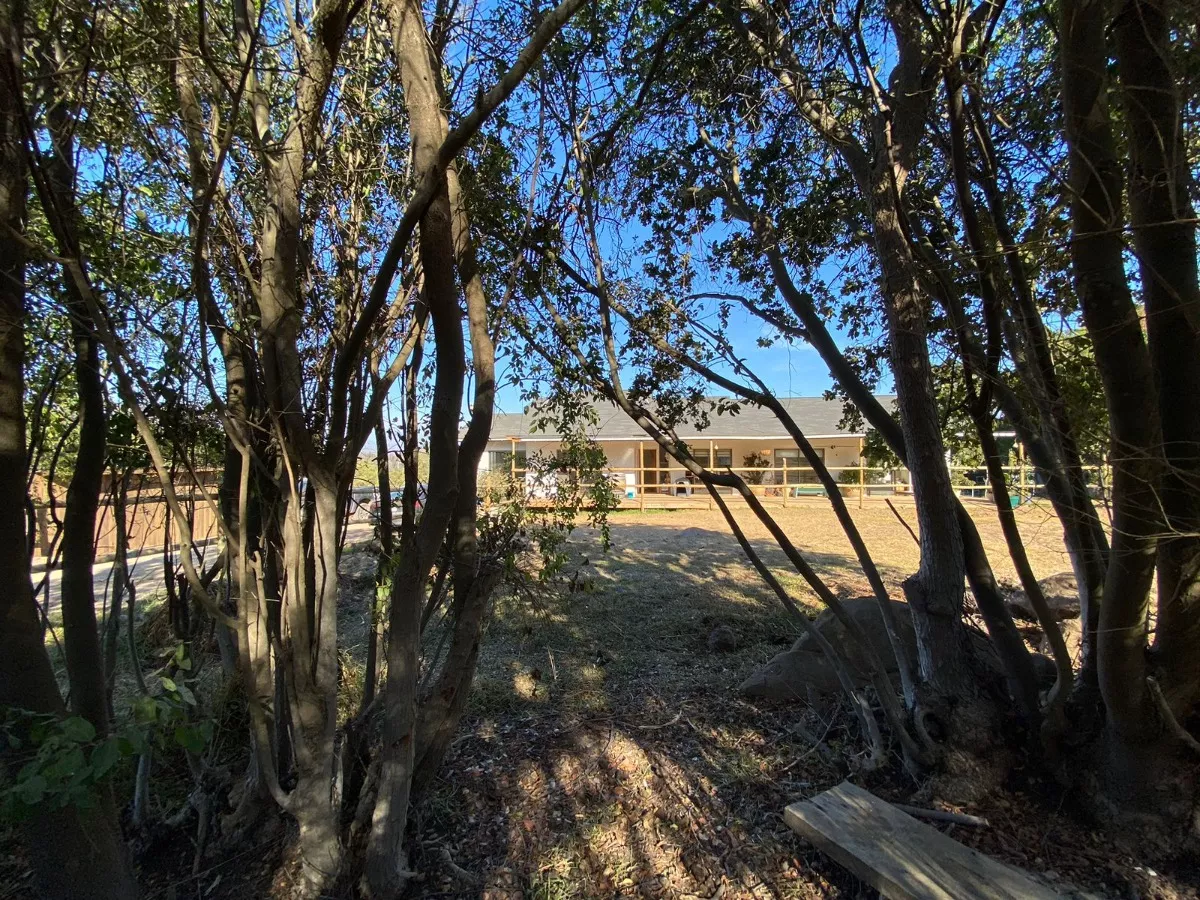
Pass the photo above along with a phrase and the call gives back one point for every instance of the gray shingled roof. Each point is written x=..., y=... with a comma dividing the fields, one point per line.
x=816, y=416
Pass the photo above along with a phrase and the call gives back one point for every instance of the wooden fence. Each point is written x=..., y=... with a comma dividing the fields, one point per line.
x=148, y=520
x=643, y=487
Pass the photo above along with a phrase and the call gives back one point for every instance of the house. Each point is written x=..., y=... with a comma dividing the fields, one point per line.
x=752, y=442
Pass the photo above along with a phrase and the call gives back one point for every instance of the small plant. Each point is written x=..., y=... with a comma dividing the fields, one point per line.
x=756, y=461
x=65, y=760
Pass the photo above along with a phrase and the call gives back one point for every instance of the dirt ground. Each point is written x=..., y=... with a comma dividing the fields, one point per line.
x=608, y=754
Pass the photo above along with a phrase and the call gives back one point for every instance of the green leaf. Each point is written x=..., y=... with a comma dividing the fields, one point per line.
x=66, y=765
x=168, y=684
x=186, y=693
x=78, y=729
x=145, y=710
x=31, y=790
x=105, y=757
x=190, y=738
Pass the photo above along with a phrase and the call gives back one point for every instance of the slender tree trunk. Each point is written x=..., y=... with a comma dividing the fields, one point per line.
x=314, y=700
x=76, y=853
x=81, y=639
x=981, y=369
x=1164, y=234
x=1124, y=365
x=1050, y=441
x=383, y=476
x=112, y=624
x=310, y=536
x=386, y=863
x=442, y=705
x=978, y=569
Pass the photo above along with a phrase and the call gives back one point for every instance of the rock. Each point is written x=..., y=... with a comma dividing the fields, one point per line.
x=722, y=639
x=803, y=672
x=1062, y=594
x=1072, y=630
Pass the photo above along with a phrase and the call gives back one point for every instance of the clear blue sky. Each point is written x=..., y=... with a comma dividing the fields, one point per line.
x=790, y=370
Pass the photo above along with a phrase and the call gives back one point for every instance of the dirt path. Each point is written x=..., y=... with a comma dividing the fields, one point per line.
x=146, y=570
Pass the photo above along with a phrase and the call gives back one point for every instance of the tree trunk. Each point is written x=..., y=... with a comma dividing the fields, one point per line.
x=112, y=624
x=978, y=570
x=1164, y=234
x=442, y=706
x=386, y=863
x=314, y=679
x=85, y=663
x=1124, y=365
x=935, y=591
x=383, y=476
x=76, y=853
x=1049, y=441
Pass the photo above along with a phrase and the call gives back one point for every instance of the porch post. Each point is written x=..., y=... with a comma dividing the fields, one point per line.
x=862, y=473
x=786, y=489
x=512, y=459
x=641, y=477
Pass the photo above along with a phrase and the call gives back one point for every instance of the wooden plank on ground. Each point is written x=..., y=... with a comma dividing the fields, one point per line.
x=900, y=857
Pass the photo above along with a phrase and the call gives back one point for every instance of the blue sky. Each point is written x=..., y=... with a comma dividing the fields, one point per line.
x=790, y=370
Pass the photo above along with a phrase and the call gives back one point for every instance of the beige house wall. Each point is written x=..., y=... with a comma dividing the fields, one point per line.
x=839, y=452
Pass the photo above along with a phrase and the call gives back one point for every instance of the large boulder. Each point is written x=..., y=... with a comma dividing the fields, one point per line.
x=1062, y=595
x=803, y=672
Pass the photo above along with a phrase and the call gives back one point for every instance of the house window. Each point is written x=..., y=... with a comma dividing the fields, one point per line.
x=502, y=461
x=798, y=471
x=724, y=458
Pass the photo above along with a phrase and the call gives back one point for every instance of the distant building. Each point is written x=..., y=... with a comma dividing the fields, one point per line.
x=752, y=442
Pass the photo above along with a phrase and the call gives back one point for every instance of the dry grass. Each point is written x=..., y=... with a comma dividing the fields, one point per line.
x=607, y=753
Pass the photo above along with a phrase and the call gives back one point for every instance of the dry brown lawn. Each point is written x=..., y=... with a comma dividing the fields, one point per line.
x=814, y=529
x=607, y=753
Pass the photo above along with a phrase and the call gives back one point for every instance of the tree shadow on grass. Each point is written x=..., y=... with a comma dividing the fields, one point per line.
x=607, y=753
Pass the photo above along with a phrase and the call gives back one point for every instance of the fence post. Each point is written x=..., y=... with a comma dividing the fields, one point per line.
x=43, y=530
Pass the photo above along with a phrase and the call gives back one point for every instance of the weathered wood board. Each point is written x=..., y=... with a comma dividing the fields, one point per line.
x=900, y=857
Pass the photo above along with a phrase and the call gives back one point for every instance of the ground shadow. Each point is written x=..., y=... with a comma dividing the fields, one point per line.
x=607, y=753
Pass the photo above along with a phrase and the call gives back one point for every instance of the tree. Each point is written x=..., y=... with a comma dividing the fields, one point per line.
x=307, y=344
x=75, y=852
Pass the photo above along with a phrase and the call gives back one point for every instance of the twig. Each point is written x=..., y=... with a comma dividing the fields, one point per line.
x=940, y=815
x=456, y=870
x=818, y=745
x=678, y=716
x=907, y=527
